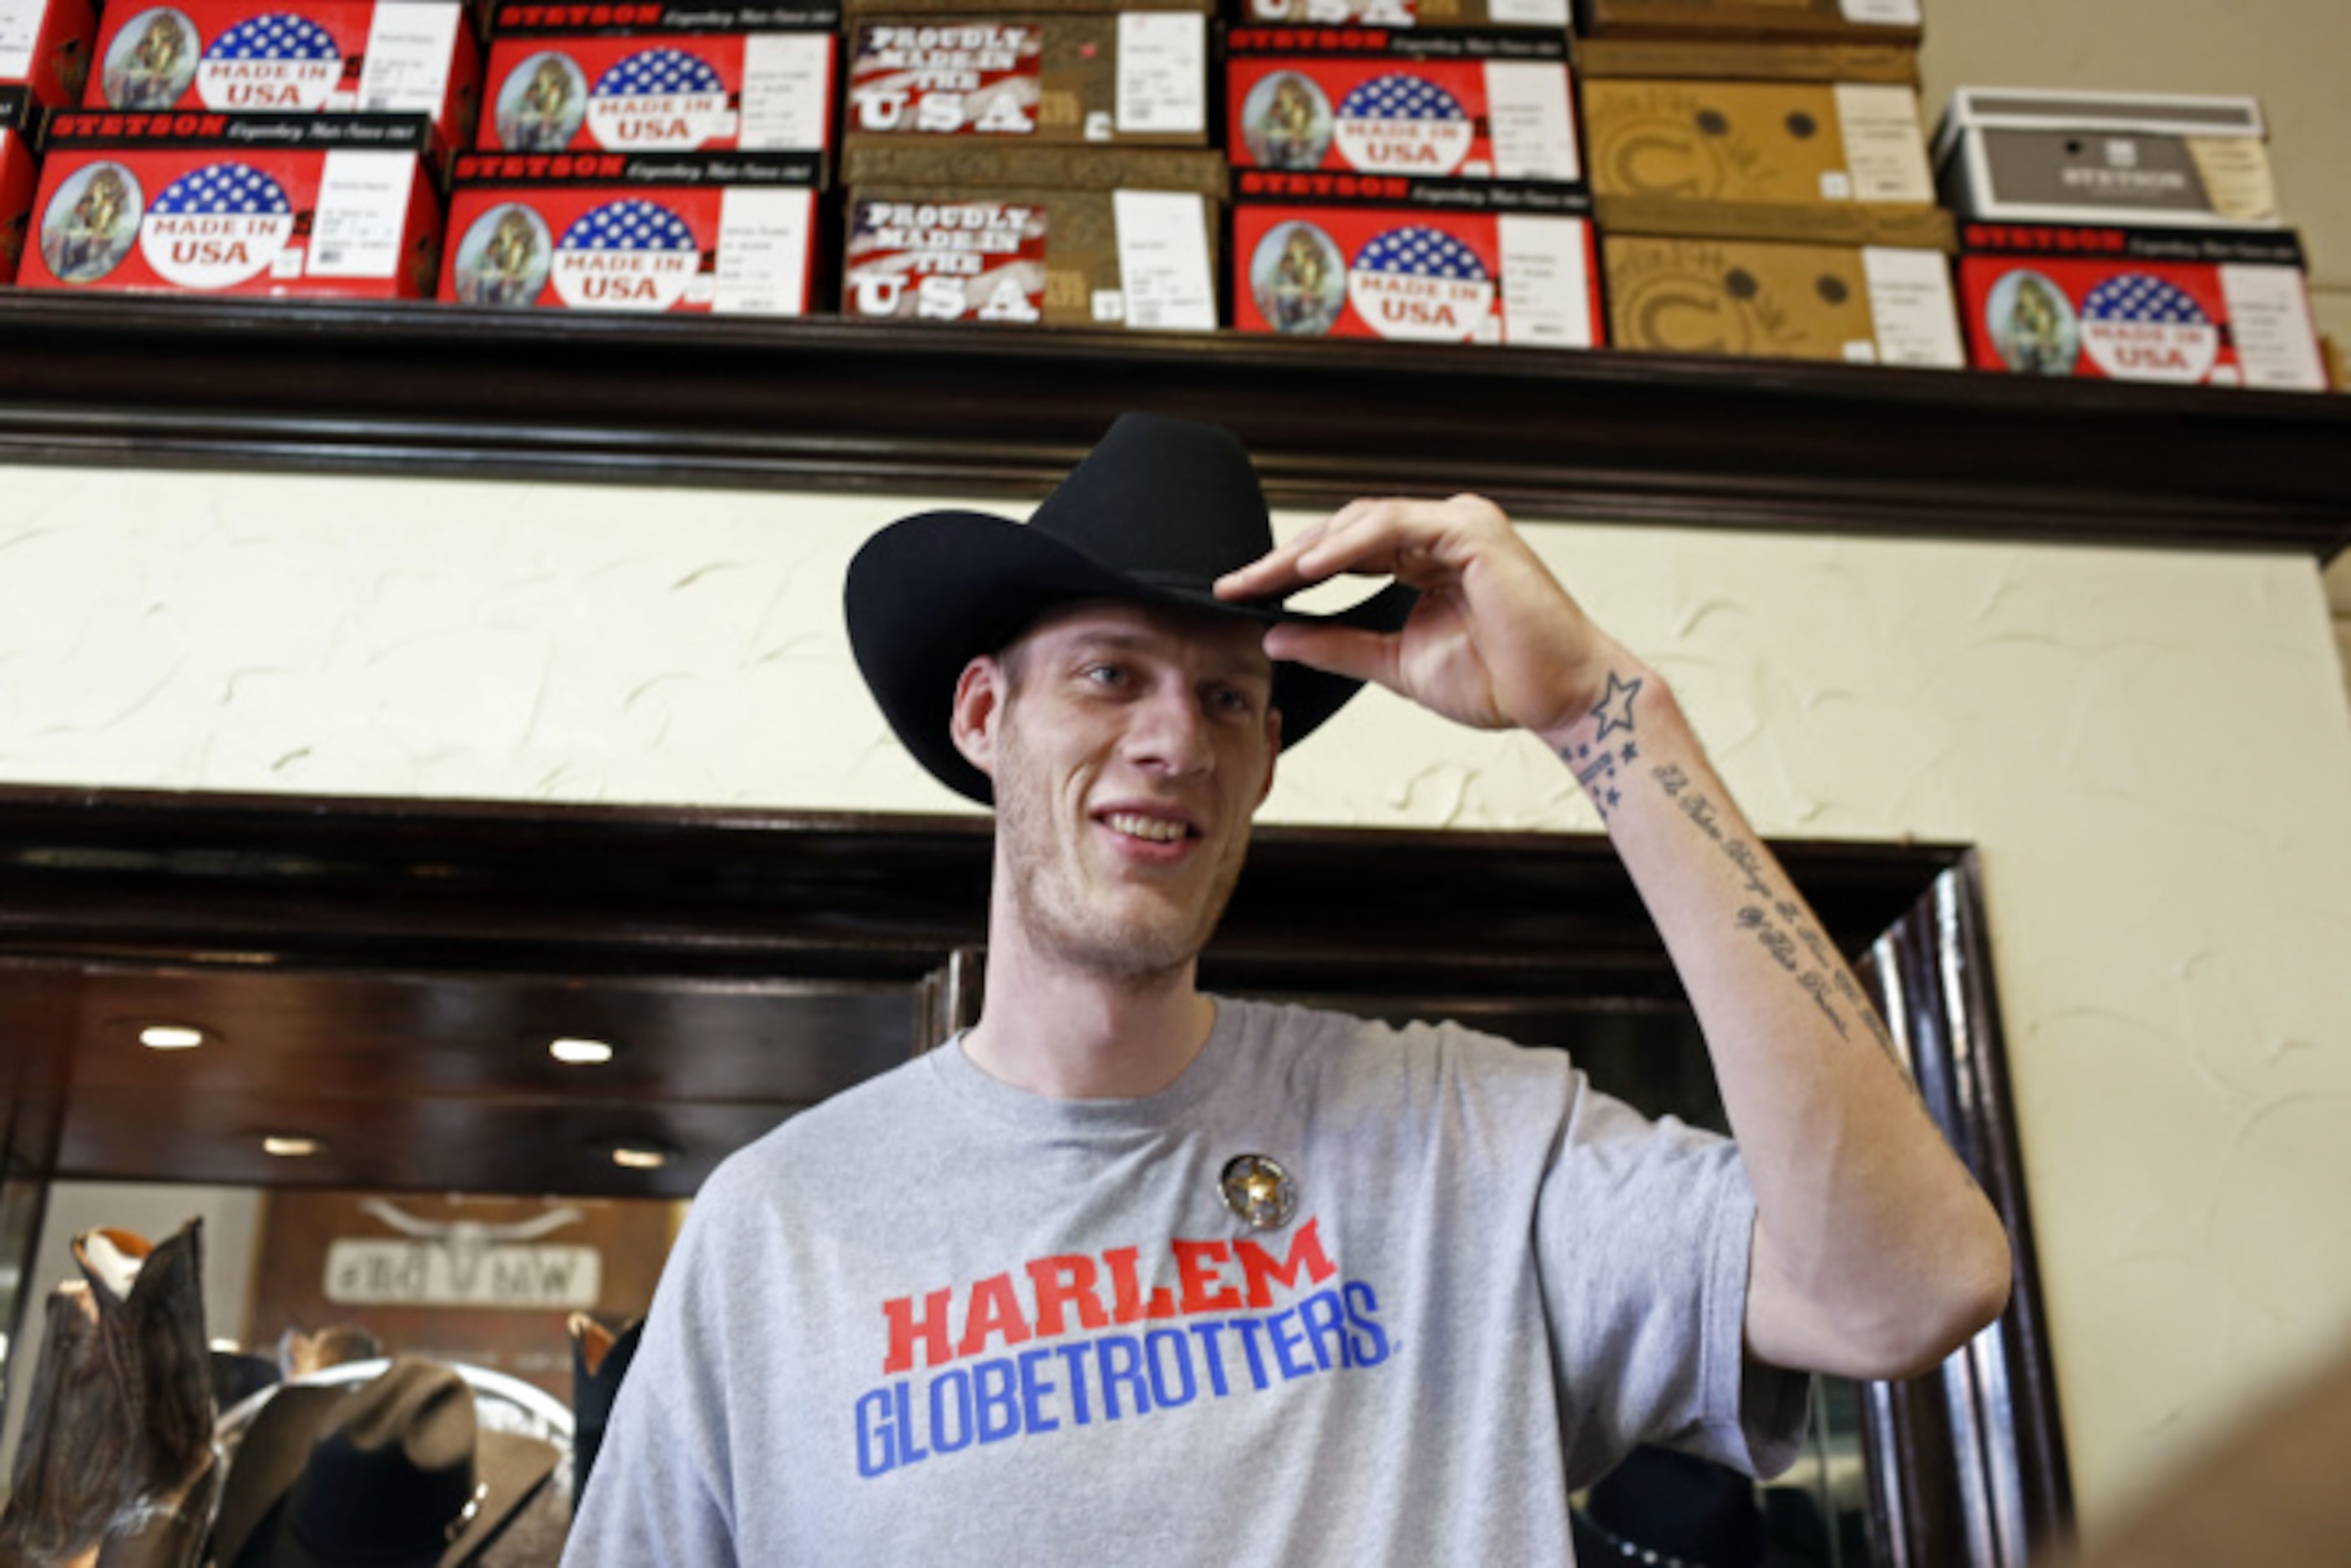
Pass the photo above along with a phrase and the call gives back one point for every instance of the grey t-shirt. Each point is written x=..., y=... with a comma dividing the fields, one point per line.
x=936, y=1319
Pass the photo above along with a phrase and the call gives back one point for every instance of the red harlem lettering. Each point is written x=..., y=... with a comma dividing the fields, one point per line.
x=1126, y=1293
x=1066, y=1294
x=1260, y=1269
x=995, y=1311
x=932, y=1327
x=1196, y=1271
x=1064, y=1281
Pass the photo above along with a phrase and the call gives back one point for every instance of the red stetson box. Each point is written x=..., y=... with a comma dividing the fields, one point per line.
x=1472, y=106
x=45, y=46
x=18, y=174
x=295, y=57
x=759, y=92
x=1415, y=276
x=2188, y=306
x=641, y=232
x=249, y=204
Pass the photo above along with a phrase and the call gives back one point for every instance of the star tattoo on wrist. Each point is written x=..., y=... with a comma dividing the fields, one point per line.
x=1615, y=709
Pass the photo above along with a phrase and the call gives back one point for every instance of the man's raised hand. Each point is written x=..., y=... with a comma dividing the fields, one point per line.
x=1494, y=641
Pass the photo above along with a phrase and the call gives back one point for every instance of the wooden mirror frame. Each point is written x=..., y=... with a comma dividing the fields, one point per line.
x=1967, y=1466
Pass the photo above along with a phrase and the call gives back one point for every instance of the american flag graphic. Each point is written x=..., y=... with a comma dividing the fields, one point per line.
x=221, y=188
x=277, y=36
x=1400, y=97
x=1417, y=252
x=653, y=71
x=2134, y=297
x=628, y=226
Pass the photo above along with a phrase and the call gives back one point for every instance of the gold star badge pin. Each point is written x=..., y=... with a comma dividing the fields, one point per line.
x=1258, y=1191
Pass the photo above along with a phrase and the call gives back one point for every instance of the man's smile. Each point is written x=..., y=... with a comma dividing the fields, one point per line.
x=1157, y=827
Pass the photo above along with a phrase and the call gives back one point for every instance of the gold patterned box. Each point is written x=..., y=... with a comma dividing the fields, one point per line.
x=1839, y=163
x=1762, y=299
x=1746, y=60
x=1860, y=21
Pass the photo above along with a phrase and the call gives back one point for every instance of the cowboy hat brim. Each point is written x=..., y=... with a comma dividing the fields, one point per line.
x=253, y=1528
x=930, y=593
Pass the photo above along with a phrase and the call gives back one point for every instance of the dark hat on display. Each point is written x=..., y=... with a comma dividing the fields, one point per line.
x=239, y=1375
x=1661, y=1508
x=391, y=1472
x=600, y=1358
x=1158, y=512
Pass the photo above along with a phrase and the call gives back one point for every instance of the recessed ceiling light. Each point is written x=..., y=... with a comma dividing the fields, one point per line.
x=287, y=1146
x=577, y=1052
x=171, y=1037
x=640, y=1156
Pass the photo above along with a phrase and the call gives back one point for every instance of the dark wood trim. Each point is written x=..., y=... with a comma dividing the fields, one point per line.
x=1977, y=1443
x=1988, y=1105
x=515, y=886
x=386, y=905
x=24, y=1208
x=425, y=389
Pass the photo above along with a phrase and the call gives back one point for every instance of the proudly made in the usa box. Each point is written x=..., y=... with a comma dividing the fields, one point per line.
x=1136, y=79
x=1136, y=259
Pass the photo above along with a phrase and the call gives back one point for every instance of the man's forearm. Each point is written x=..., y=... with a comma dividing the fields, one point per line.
x=1875, y=1252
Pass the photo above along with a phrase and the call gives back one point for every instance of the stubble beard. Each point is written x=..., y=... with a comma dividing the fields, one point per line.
x=1046, y=881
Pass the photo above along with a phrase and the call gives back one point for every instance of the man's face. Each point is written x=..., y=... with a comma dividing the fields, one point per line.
x=1131, y=745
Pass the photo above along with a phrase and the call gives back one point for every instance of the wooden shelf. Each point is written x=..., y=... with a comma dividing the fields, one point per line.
x=430, y=389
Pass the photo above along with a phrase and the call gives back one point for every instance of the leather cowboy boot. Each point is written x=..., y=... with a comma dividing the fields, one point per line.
x=116, y=1466
x=63, y=1485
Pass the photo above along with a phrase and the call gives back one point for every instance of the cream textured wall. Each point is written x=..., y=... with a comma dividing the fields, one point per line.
x=2152, y=750
x=2290, y=54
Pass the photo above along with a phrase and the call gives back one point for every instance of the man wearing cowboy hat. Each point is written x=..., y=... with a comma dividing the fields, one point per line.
x=1130, y=1274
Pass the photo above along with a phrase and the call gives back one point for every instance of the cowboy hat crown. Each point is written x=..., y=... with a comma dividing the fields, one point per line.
x=1156, y=513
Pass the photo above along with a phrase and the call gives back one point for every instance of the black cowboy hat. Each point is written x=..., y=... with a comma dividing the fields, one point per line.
x=391, y=1472
x=1158, y=512
x=1672, y=1510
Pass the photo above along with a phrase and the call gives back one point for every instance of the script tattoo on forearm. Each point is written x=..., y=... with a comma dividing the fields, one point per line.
x=1777, y=923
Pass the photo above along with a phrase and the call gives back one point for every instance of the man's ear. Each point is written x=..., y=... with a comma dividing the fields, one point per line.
x=980, y=696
